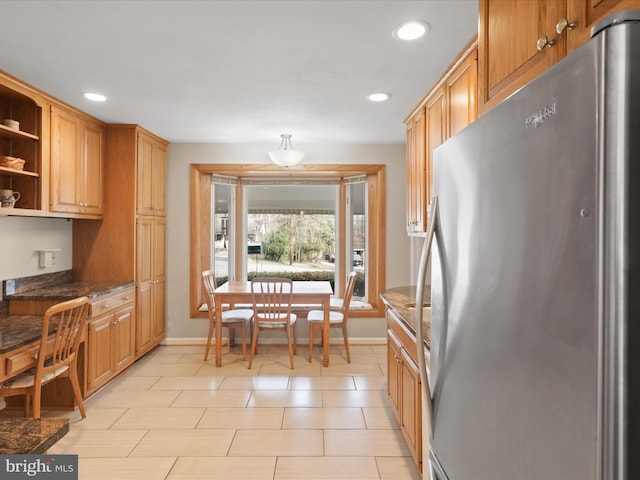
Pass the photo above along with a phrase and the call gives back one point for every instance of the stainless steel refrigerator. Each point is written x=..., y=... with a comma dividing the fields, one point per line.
x=535, y=277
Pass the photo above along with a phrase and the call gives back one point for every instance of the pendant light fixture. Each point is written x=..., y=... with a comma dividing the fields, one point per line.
x=286, y=156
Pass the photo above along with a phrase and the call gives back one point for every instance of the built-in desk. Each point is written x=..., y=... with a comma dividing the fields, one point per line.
x=112, y=320
x=19, y=342
x=23, y=436
x=35, y=302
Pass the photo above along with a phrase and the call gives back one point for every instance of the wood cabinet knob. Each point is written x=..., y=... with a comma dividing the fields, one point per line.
x=543, y=42
x=564, y=24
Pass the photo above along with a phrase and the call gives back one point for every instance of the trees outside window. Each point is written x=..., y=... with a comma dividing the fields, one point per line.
x=295, y=237
x=295, y=226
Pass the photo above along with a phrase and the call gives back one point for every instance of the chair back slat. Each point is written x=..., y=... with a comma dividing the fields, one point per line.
x=210, y=284
x=272, y=299
x=69, y=318
x=348, y=294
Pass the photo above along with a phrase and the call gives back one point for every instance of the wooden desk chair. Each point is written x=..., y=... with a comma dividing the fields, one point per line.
x=272, y=299
x=70, y=318
x=232, y=319
x=336, y=319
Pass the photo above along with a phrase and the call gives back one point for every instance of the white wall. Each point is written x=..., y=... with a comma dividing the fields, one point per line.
x=182, y=328
x=20, y=237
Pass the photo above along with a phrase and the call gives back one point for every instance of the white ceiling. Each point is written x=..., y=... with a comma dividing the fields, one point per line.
x=237, y=71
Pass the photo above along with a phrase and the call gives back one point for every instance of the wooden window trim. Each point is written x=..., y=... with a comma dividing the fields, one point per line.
x=200, y=228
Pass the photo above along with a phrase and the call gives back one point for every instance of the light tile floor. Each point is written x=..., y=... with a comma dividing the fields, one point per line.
x=172, y=416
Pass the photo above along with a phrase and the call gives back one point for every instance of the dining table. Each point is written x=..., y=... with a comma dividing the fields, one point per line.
x=305, y=293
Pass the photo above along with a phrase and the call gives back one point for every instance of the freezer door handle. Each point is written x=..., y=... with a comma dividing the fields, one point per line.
x=422, y=271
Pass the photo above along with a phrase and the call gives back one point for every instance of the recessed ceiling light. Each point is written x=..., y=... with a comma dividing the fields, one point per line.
x=411, y=30
x=96, y=97
x=378, y=97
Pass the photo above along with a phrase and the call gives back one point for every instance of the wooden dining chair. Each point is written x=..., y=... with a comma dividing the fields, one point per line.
x=232, y=318
x=336, y=318
x=70, y=319
x=272, y=299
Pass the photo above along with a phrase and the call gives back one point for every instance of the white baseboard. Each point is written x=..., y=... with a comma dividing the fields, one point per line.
x=274, y=341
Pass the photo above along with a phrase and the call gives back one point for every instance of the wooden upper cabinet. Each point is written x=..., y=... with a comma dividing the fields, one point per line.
x=92, y=152
x=582, y=15
x=158, y=176
x=518, y=40
x=145, y=161
x=65, y=160
x=437, y=132
x=462, y=86
x=448, y=107
x=511, y=45
x=152, y=157
x=416, y=172
x=77, y=155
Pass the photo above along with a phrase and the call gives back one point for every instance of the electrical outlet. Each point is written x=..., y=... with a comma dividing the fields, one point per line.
x=48, y=257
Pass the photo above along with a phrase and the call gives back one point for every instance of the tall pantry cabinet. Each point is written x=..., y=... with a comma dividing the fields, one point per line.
x=129, y=244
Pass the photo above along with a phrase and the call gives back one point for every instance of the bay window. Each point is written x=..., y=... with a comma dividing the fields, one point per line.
x=317, y=225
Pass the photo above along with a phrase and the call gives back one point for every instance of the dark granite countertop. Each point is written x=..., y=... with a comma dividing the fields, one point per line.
x=402, y=301
x=68, y=291
x=21, y=436
x=19, y=330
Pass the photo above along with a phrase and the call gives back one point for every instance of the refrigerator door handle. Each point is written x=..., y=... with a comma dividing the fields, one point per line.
x=422, y=271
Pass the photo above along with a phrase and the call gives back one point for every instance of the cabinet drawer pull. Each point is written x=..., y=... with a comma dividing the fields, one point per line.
x=35, y=355
x=564, y=24
x=543, y=41
x=126, y=299
x=105, y=306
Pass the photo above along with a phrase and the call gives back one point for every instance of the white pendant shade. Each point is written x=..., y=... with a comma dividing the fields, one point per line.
x=286, y=156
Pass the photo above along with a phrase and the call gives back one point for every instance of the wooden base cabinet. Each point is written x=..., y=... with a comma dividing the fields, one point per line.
x=394, y=373
x=110, y=338
x=151, y=281
x=411, y=409
x=404, y=385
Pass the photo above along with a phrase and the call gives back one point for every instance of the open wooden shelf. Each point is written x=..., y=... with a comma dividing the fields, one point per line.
x=20, y=212
x=12, y=133
x=17, y=173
